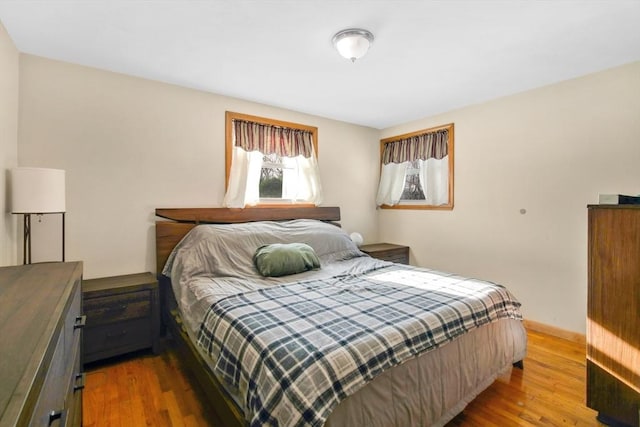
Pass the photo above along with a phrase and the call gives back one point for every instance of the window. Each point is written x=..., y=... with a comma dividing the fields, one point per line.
x=270, y=162
x=417, y=170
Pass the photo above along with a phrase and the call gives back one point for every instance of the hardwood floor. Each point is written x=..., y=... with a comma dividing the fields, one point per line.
x=147, y=390
x=143, y=390
x=550, y=391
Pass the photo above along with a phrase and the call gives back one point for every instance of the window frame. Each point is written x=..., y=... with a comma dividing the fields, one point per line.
x=230, y=116
x=416, y=204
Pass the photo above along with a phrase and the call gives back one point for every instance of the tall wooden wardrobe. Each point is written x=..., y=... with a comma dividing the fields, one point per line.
x=613, y=313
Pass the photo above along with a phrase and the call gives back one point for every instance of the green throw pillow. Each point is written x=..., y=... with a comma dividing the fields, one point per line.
x=281, y=259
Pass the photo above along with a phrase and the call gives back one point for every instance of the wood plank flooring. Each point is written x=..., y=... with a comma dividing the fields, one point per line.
x=147, y=390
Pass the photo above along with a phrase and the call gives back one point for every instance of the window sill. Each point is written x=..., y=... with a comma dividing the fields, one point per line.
x=448, y=207
x=282, y=205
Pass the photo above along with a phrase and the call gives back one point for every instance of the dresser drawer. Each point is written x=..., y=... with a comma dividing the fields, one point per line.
x=75, y=410
x=117, y=338
x=52, y=395
x=116, y=308
x=73, y=323
x=73, y=400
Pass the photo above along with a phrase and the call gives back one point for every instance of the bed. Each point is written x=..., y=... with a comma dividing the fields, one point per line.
x=357, y=341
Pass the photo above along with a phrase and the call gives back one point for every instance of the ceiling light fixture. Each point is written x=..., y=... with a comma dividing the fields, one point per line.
x=353, y=43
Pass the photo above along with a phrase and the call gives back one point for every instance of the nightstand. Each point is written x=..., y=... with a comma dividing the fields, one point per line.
x=122, y=315
x=387, y=252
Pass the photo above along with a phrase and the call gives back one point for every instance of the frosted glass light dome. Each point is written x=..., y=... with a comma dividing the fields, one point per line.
x=353, y=43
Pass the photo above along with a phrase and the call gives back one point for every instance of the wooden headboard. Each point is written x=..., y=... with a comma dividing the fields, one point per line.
x=179, y=221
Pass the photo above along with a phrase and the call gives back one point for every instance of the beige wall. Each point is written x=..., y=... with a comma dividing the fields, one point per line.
x=9, y=59
x=549, y=151
x=130, y=145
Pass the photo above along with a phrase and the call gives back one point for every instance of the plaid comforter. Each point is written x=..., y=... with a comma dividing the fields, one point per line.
x=294, y=351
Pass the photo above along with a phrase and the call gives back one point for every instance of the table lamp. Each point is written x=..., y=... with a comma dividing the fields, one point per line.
x=37, y=191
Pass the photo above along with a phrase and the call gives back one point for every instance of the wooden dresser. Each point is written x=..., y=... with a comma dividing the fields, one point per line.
x=387, y=252
x=613, y=313
x=122, y=315
x=40, y=359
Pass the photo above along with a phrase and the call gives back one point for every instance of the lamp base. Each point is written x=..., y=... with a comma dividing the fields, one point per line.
x=26, y=246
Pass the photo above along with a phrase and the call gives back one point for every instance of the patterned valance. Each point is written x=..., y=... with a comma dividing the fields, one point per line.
x=269, y=139
x=419, y=147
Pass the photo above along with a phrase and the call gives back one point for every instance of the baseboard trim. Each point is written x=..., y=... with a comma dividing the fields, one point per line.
x=556, y=332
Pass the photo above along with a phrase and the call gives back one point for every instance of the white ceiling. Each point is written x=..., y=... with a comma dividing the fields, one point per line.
x=428, y=56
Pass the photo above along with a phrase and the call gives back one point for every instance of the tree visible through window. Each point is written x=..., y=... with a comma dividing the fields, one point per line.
x=271, y=177
x=412, y=187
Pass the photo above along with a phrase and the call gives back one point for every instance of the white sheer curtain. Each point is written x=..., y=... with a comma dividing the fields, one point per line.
x=244, y=179
x=301, y=179
x=434, y=179
x=392, y=179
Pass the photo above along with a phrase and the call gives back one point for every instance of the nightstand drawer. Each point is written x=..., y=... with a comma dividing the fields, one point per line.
x=117, y=338
x=401, y=258
x=387, y=252
x=115, y=308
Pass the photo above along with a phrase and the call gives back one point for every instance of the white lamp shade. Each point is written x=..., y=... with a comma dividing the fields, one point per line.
x=357, y=238
x=37, y=190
